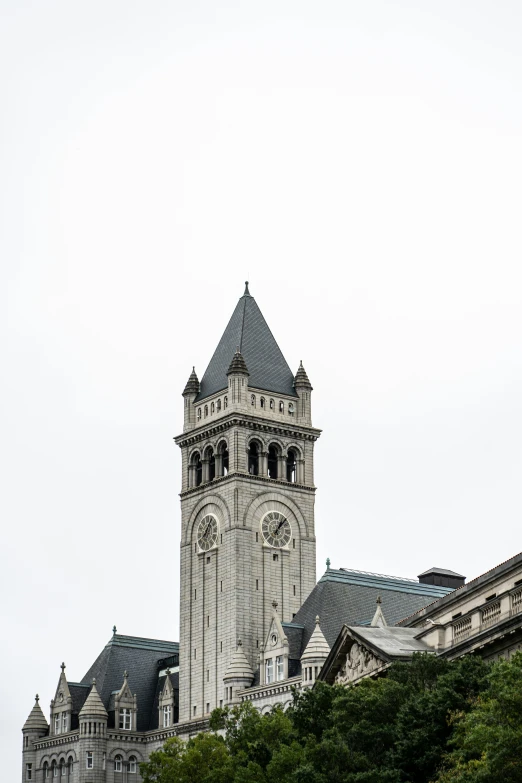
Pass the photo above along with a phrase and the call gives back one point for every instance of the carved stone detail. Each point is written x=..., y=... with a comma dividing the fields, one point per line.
x=359, y=661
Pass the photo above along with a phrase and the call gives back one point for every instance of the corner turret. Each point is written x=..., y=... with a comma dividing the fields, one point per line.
x=93, y=737
x=314, y=656
x=303, y=389
x=190, y=392
x=33, y=729
x=238, y=675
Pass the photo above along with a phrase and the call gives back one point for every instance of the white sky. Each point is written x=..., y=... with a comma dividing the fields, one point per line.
x=359, y=163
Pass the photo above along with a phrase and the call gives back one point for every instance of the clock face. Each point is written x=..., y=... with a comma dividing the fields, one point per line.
x=276, y=529
x=207, y=533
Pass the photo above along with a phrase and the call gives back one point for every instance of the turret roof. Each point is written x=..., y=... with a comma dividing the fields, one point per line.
x=239, y=667
x=317, y=646
x=93, y=704
x=301, y=378
x=248, y=331
x=36, y=719
x=192, y=386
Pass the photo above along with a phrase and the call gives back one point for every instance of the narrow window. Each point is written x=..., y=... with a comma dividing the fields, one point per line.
x=291, y=466
x=212, y=408
x=253, y=459
x=257, y=642
x=225, y=402
x=46, y=771
x=269, y=671
x=280, y=669
x=166, y=715
x=206, y=411
x=125, y=719
x=315, y=672
x=28, y=771
x=199, y=414
x=118, y=763
x=194, y=652
x=221, y=647
x=56, y=724
x=208, y=620
x=271, y=405
x=221, y=587
x=55, y=769
x=257, y=584
x=276, y=558
x=253, y=400
x=63, y=768
x=221, y=538
x=294, y=589
x=195, y=547
x=293, y=543
x=218, y=405
x=281, y=406
x=195, y=594
x=194, y=710
x=290, y=408
x=272, y=462
x=208, y=559
x=211, y=464
x=104, y=761
x=208, y=707
x=208, y=675
x=220, y=703
x=89, y=762
x=132, y=765
x=257, y=538
x=262, y=402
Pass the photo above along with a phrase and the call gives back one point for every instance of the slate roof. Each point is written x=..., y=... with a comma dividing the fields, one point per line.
x=248, y=331
x=344, y=597
x=140, y=658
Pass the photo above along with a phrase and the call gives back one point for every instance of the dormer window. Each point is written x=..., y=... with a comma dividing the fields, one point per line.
x=269, y=670
x=167, y=712
x=64, y=722
x=57, y=724
x=125, y=719
x=280, y=669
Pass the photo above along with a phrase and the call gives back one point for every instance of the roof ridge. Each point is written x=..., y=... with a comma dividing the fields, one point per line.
x=243, y=322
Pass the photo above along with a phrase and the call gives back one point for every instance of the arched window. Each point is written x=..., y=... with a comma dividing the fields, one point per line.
x=46, y=770
x=212, y=408
x=199, y=414
x=291, y=466
x=253, y=400
x=118, y=763
x=132, y=764
x=271, y=405
x=218, y=405
x=225, y=402
x=291, y=409
x=63, y=768
x=55, y=770
x=223, y=453
x=273, y=453
x=206, y=411
x=197, y=468
x=70, y=767
x=262, y=402
x=209, y=454
x=253, y=459
x=281, y=406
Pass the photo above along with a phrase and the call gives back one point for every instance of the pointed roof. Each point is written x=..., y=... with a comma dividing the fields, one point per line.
x=248, y=331
x=301, y=378
x=192, y=387
x=93, y=705
x=238, y=364
x=239, y=667
x=317, y=647
x=36, y=719
x=379, y=620
x=63, y=686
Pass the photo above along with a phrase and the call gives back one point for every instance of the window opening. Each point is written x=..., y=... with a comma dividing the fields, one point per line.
x=262, y=402
x=218, y=405
x=199, y=414
x=269, y=671
x=132, y=765
x=88, y=760
x=253, y=400
x=225, y=402
x=271, y=405
x=212, y=407
x=272, y=462
x=118, y=763
x=253, y=459
x=125, y=719
x=206, y=411
x=291, y=466
x=280, y=669
x=290, y=408
x=28, y=771
x=223, y=450
x=281, y=406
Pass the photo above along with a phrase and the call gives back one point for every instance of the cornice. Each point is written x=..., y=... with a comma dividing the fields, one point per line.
x=210, y=430
x=239, y=475
x=54, y=741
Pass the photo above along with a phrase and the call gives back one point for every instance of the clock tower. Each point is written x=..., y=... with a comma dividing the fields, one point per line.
x=247, y=506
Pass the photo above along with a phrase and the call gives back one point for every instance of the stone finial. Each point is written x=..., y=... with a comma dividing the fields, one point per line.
x=62, y=667
x=239, y=643
x=379, y=600
x=125, y=674
x=37, y=698
x=114, y=630
x=167, y=672
x=327, y=563
x=247, y=292
x=275, y=605
x=94, y=680
x=317, y=619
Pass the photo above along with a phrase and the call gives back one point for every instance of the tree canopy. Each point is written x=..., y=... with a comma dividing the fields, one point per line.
x=428, y=720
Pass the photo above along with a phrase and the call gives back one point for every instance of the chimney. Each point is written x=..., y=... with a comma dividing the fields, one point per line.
x=442, y=578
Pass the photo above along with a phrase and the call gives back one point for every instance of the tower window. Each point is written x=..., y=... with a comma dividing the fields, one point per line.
x=206, y=411
x=197, y=469
x=221, y=587
x=257, y=584
x=28, y=771
x=212, y=407
x=223, y=452
x=125, y=719
x=56, y=724
x=225, y=402
x=281, y=406
x=293, y=543
x=291, y=466
x=271, y=405
x=199, y=414
x=64, y=722
x=290, y=408
x=208, y=707
x=89, y=761
x=253, y=400
x=257, y=537
x=194, y=710
x=208, y=559
x=262, y=402
x=253, y=459
x=272, y=462
x=276, y=558
x=218, y=405
x=294, y=589
x=211, y=464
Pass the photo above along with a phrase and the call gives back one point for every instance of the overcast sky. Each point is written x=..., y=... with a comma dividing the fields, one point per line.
x=361, y=165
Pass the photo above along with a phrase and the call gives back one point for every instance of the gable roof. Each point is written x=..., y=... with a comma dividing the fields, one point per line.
x=344, y=597
x=248, y=331
x=140, y=657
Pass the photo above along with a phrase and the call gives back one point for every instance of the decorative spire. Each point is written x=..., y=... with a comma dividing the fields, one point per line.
x=192, y=386
x=247, y=292
x=379, y=620
x=301, y=378
x=93, y=706
x=238, y=364
x=114, y=630
x=36, y=721
x=37, y=698
x=317, y=648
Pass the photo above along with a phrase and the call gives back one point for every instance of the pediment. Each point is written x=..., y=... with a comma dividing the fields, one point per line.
x=357, y=662
x=276, y=637
x=63, y=694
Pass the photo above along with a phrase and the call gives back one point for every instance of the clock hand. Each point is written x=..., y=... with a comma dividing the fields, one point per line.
x=280, y=525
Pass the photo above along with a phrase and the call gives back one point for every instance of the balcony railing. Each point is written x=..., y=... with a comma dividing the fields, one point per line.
x=490, y=615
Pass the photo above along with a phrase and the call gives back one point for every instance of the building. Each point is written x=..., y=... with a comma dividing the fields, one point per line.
x=254, y=624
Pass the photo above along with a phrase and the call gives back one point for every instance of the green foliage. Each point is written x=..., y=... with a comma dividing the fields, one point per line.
x=462, y=717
